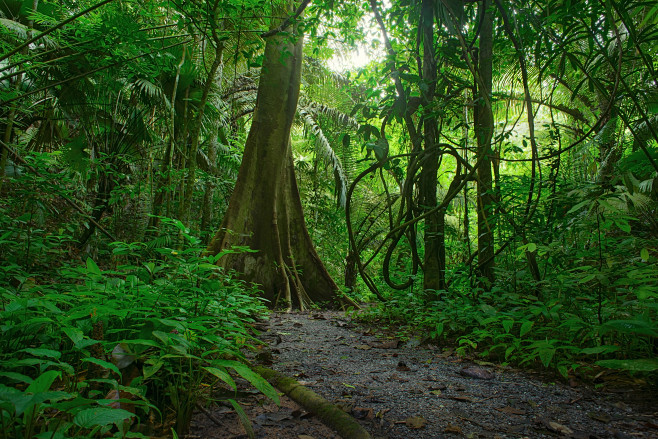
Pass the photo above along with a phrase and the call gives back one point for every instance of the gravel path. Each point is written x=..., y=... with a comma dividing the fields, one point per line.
x=403, y=390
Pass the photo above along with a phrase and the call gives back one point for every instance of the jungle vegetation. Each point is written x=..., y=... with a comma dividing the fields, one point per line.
x=170, y=169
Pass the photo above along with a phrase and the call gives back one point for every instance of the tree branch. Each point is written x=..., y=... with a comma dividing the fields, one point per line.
x=288, y=21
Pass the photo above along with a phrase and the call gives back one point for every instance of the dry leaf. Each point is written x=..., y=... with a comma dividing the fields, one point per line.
x=402, y=367
x=511, y=410
x=415, y=422
x=363, y=347
x=461, y=398
x=477, y=373
x=389, y=344
x=363, y=413
x=600, y=416
x=453, y=429
x=559, y=428
x=305, y=436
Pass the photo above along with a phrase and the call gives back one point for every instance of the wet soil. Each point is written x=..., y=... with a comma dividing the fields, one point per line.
x=401, y=389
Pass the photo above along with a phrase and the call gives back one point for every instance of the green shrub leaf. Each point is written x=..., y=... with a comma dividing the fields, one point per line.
x=526, y=327
x=639, y=365
x=256, y=380
x=101, y=416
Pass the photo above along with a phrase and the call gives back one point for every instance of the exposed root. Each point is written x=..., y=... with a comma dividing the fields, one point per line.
x=333, y=417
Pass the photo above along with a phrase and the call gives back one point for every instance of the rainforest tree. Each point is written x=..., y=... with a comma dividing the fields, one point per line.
x=265, y=211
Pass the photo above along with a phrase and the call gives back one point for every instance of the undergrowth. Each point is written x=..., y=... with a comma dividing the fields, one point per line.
x=127, y=350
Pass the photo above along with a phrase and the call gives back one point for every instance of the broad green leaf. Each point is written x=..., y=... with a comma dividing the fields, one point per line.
x=632, y=327
x=256, y=380
x=440, y=327
x=92, y=267
x=41, y=352
x=101, y=416
x=644, y=254
x=532, y=247
x=244, y=419
x=564, y=371
x=75, y=334
x=526, y=327
x=151, y=367
x=639, y=365
x=546, y=355
x=17, y=377
x=222, y=375
x=507, y=325
x=43, y=382
x=600, y=350
x=102, y=363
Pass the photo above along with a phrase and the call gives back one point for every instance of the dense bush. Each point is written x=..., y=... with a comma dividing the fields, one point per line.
x=127, y=349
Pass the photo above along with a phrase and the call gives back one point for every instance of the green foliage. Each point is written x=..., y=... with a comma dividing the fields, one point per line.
x=89, y=350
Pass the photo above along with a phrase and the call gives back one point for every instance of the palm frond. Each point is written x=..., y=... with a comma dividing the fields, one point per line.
x=327, y=153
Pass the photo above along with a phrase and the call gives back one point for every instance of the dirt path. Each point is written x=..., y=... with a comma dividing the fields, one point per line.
x=402, y=390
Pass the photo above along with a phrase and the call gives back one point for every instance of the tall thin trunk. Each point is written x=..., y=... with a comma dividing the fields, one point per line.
x=434, y=259
x=163, y=190
x=484, y=123
x=185, y=213
x=9, y=127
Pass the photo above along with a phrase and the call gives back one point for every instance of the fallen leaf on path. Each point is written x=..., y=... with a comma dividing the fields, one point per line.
x=558, y=428
x=436, y=392
x=600, y=416
x=453, y=429
x=318, y=317
x=397, y=378
x=461, y=398
x=437, y=387
x=363, y=413
x=388, y=344
x=402, y=367
x=363, y=347
x=415, y=422
x=511, y=410
x=477, y=373
x=305, y=436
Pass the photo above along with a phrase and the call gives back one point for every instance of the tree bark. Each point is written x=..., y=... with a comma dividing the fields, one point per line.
x=484, y=133
x=265, y=211
x=434, y=258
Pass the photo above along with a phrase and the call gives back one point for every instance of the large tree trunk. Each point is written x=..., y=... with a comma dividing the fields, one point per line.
x=265, y=211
